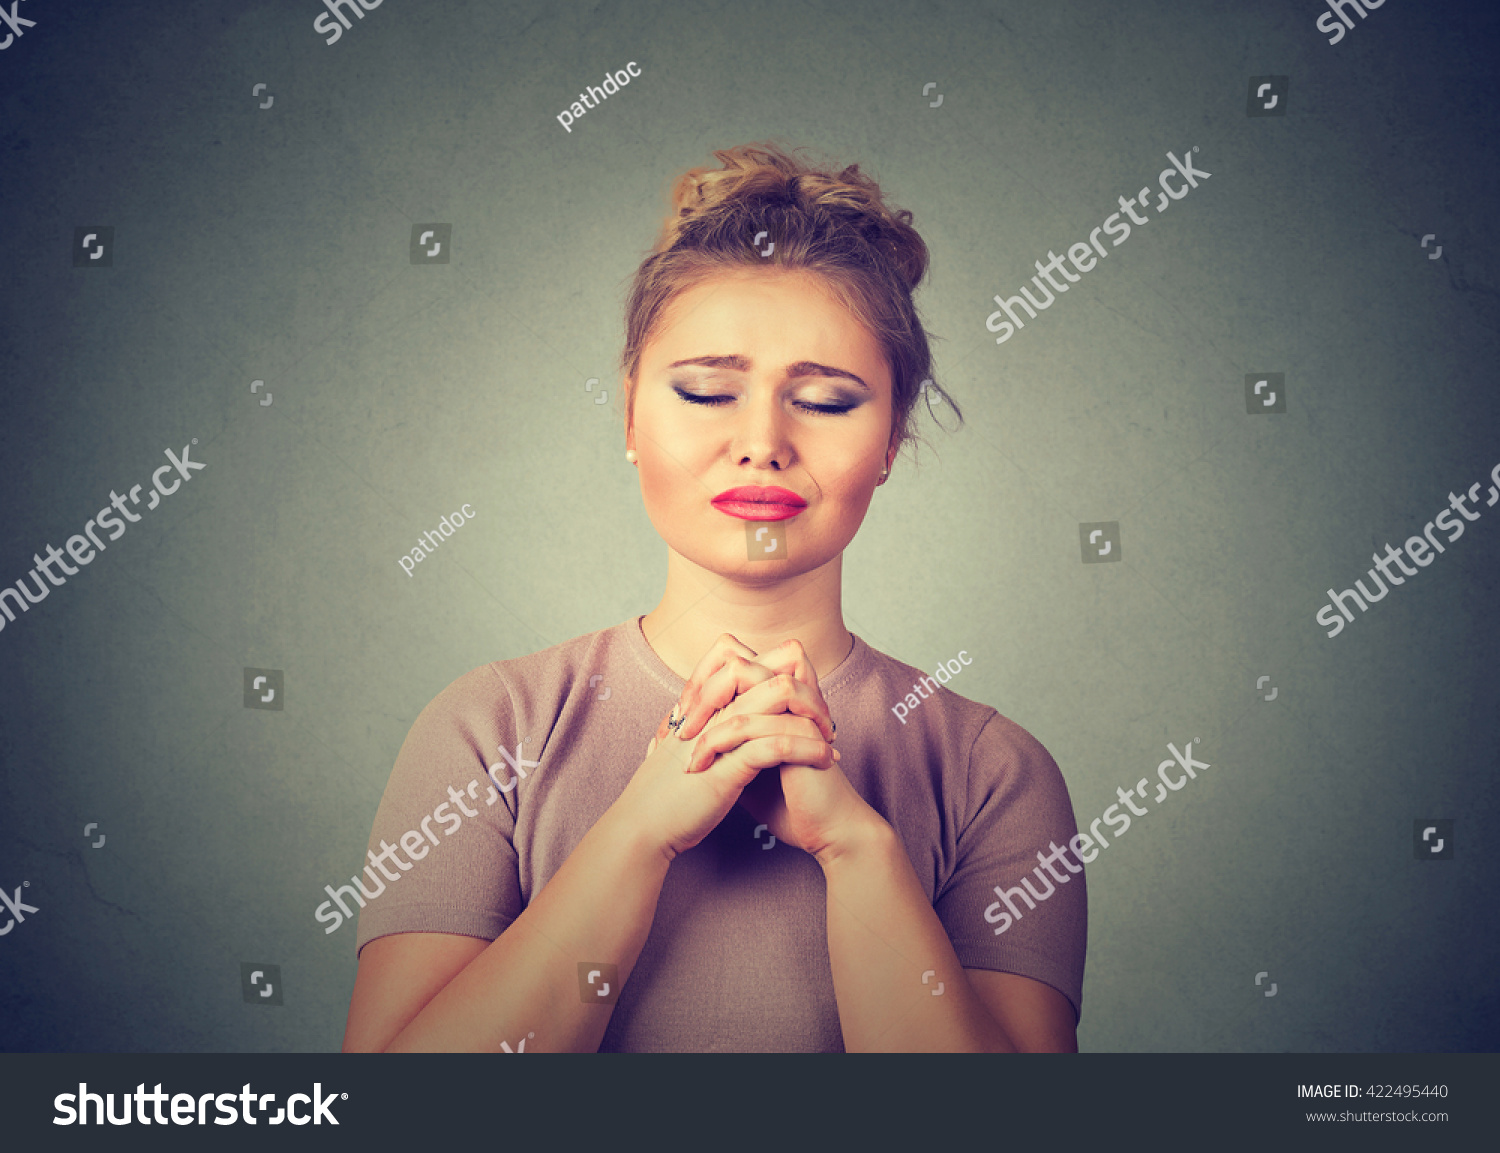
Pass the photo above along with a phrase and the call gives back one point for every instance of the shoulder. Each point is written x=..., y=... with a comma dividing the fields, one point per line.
x=992, y=752
x=930, y=702
x=913, y=699
x=524, y=680
x=1009, y=763
x=503, y=701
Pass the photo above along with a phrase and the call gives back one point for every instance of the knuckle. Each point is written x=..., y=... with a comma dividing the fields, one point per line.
x=744, y=676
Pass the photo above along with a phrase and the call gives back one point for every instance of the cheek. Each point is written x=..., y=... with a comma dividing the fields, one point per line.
x=842, y=512
x=851, y=510
x=656, y=487
x=669, y=487
x=845, y=476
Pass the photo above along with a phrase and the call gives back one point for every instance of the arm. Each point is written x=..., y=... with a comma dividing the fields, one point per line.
x=880, y=923
x=436, y=991
x=883, y=935
x=440, y=992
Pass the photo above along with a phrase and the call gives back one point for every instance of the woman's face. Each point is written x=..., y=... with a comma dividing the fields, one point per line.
x=760, y=379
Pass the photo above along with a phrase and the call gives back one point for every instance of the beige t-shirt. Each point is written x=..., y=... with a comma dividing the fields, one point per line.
x=737, y=956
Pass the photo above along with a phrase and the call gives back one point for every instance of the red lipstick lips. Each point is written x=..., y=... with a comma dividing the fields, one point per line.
x=751, y=502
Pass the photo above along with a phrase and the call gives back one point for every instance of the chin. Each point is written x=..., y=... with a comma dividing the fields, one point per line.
x=805, y=560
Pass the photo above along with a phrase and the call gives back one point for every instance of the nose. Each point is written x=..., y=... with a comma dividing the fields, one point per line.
x=761, y=439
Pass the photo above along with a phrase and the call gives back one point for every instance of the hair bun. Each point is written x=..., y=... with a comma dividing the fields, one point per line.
x=760, y=184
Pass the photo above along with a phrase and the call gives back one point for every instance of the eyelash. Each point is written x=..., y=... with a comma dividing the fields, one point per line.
x=714, y=402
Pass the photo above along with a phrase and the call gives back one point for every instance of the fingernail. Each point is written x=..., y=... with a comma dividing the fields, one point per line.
x=836, y=755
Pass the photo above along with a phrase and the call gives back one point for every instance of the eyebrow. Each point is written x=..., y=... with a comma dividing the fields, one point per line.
x=793, y=371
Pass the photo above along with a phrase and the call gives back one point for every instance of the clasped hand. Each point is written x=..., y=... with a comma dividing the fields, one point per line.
x=746, y=713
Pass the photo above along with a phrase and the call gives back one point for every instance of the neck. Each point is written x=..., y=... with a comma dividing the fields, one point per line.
x=698, y=606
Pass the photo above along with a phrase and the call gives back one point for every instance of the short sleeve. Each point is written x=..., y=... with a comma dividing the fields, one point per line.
x=443, y=830
x=1017, y=811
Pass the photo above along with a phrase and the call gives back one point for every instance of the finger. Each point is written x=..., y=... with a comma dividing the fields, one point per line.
x=726, y=647
x=736, y=731
x=784, y=693
x=825, y=759
x=666, y=726
x=790, y=657
x=743, y=764
x=737, y=675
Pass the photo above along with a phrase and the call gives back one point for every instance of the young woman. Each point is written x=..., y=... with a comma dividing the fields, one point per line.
x=756, y=882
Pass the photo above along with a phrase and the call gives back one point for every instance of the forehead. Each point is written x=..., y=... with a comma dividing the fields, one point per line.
x=792, y=314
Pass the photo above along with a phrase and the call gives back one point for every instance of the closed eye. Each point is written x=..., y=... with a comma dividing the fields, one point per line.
x=694, y=398
x=806, y=406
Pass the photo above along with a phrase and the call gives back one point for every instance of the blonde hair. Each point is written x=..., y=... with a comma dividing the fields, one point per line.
x=835, y=225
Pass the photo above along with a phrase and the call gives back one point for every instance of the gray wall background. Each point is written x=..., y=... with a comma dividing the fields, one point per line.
x=273, y=244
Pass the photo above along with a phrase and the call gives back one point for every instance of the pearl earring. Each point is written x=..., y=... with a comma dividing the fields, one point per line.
x=630, y=455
